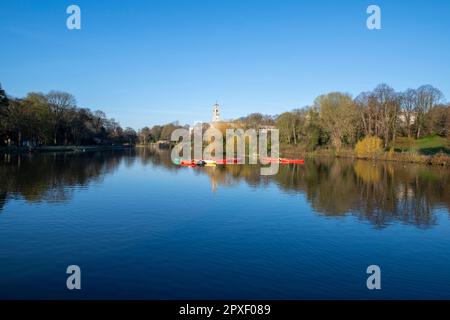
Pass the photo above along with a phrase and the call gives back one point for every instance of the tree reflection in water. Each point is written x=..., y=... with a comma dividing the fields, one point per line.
x=380, y=192
x=51, y=177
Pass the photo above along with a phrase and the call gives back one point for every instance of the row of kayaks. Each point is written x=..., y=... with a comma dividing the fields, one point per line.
x=206, y=163
x=283, y=160
x=212, y=163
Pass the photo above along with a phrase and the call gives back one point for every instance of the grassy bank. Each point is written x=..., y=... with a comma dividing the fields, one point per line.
x=440, y=158
x=430, y=145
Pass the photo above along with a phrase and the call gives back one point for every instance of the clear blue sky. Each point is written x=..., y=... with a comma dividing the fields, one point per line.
x=148, y=62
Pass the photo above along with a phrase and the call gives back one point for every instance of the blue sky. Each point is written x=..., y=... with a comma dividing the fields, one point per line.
x=149, y=62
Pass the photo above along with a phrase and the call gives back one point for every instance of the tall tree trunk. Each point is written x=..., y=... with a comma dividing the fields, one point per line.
x=295, y=136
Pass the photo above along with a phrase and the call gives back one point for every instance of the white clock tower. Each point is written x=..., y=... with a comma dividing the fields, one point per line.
x=215, y=113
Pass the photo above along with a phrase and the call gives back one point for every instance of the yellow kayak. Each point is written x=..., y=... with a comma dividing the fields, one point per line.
x=210, y=163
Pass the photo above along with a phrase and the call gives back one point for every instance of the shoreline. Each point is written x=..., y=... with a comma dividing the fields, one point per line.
x=439, y=159
x=44, y=149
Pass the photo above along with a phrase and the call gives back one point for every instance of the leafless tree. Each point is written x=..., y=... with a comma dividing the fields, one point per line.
x=408, y=105
x=59, y=102
x=427, y=97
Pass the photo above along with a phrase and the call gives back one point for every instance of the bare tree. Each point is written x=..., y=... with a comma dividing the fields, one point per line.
x=388, y=108
x=367, y=112
x=427, y=97
x=59, y=102
x=408, y=105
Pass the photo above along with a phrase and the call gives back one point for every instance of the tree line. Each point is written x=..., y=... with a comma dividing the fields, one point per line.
x=55, y=119
x=338, y=120
x=333, y=120
x=157, y=133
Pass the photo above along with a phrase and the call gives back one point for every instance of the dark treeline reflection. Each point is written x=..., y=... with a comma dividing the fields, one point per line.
x=380, y=192
x=51, y=177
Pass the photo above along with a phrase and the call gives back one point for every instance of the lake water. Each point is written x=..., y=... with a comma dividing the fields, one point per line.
x=140, y=227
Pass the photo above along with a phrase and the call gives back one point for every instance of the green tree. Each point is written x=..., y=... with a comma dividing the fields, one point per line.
x=144, y=135
x=4, y=102
x=338, y=117
x=155, y=133
x=130, y=136
x=286, y=123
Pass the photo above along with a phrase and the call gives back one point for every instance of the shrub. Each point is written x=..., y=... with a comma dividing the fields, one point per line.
x=440, y=159
x=369, y=147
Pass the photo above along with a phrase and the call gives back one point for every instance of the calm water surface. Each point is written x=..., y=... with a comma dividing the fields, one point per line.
x=140, y=227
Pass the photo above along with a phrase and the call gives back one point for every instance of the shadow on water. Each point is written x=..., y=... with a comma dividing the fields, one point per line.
x=380, y=193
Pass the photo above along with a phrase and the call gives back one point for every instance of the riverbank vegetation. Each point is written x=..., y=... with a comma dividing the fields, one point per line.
x=413, y=126
x=54, y=119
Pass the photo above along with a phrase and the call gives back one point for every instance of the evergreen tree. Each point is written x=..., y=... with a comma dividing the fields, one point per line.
x=3, y=115
x=3, y=97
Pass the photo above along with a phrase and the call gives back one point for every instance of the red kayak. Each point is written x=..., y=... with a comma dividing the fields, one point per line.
x=228, y=161
x=292, y=161
x=186, y=163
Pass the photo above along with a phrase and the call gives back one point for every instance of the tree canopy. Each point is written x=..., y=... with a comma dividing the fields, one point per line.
x=55, y=119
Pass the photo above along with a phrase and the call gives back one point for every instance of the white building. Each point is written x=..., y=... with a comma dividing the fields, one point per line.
x=403, y=118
